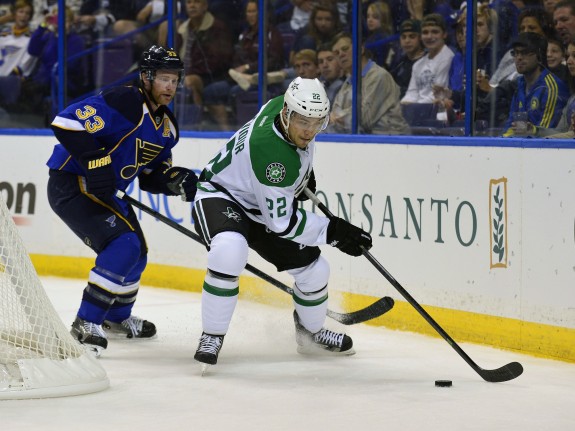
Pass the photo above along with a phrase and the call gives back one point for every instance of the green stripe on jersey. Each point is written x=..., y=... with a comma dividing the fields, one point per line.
x=300, y=226
x=275, y=162
x=218, y=291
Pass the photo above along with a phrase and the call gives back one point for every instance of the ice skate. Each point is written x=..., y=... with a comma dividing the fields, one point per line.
x=132, y=327
x=208, y=350
x=322, y=342
x=89, y=334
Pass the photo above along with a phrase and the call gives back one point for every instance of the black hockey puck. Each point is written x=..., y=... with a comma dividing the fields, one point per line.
x=443, y=383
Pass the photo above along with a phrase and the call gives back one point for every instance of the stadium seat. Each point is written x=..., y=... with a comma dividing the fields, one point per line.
x=420, y=114
x=189, y=115
x=9, y=89
x=288, y=38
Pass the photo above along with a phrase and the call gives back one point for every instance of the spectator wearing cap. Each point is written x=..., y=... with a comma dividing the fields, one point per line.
x=564, y=20
x=433, y=67
x=539, y=93
x=412, y=48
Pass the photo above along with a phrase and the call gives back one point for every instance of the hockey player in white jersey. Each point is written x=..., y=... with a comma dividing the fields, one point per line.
x=247, y=198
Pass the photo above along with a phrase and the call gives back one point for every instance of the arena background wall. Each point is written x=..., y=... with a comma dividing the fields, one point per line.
x=481, y=235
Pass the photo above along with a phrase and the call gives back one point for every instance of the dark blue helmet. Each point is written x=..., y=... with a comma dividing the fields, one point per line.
x=160, y=58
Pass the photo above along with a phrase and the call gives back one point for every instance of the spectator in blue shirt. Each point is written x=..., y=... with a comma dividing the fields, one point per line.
x=539, y=93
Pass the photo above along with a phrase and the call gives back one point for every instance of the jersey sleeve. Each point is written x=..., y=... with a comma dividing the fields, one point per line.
x=81, y=127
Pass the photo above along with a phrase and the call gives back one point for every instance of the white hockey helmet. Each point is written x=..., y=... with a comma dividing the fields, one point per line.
x=308, y=98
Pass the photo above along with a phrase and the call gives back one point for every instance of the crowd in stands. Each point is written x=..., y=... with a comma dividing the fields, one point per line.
x=413, y=57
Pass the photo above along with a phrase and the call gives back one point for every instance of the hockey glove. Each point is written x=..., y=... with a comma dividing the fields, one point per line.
x=182, y=182
x=311, y=184
x=347, y=237
x=100, y=175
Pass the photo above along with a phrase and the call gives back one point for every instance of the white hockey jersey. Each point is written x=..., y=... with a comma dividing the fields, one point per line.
x=262, y=172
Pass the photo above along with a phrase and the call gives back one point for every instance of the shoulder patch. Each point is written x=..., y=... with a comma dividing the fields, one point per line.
x=275, y=172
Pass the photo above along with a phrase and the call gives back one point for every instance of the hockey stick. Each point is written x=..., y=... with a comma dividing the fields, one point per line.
x=378, y=308
x=503, y=374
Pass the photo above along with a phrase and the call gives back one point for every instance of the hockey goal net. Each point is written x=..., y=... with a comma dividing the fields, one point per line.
x=38, y=356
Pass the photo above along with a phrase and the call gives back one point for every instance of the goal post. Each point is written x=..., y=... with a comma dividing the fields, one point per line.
x=38, y=356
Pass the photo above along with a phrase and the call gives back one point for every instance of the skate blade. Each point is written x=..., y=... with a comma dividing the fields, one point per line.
x=313, y=350
x=204, y=368
x=95, y=351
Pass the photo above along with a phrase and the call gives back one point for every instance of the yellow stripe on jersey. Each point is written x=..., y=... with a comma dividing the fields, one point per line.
x=551, y=102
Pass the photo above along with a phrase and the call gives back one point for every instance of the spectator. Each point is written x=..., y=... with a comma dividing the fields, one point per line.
x=217, y=95
x=412, y=47
x=549, y=6
x=566, y=126
x=207, y=49
x=508, y=12
x=331, y=74
x=92, y=19
x=539, y=93
x=228, y=11
x=6, y=13
x=301, y=14
x=379, y=23
x=152, y=12
x=15, y=62
x=533, y=20
x=380, y=108
x=564, y=20
x=323, y=25
x=556, y=60
x=453, y=96
x=433, y=67
x=44, y=46
x=126, y=14
x=305, y=66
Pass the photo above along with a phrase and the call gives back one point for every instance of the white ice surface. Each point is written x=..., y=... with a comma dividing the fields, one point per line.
x=261, y=383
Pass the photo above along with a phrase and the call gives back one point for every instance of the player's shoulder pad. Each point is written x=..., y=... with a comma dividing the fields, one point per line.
x=128, y=101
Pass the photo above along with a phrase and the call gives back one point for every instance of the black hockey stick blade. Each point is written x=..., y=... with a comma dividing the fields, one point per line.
x=378, y=308
x=503, y=374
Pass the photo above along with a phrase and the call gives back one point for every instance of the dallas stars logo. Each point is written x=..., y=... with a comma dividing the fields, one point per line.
x=275, y=173
x=294, y=86
x=231, y=214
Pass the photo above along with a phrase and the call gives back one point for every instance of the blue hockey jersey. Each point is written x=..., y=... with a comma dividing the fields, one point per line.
x=121, y=122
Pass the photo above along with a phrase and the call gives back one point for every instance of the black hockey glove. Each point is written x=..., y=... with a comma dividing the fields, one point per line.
x=311, y=184
x=347, y=237
x=182, y=181
x=100, y=175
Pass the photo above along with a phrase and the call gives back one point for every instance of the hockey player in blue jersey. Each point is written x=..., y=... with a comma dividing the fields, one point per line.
x=105, y=143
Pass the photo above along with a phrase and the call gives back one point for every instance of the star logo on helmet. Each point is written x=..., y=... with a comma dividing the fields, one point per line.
x=294, y=86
